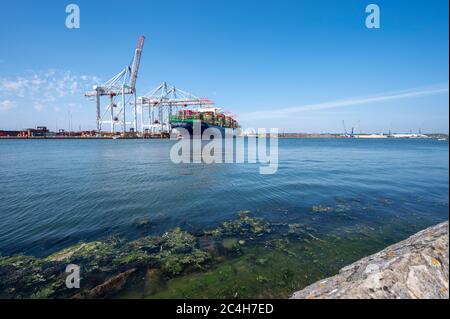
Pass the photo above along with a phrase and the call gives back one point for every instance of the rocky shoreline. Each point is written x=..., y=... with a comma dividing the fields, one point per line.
x=416, y=268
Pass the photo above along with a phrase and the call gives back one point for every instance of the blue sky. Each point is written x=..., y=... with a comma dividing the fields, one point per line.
x=301, y=66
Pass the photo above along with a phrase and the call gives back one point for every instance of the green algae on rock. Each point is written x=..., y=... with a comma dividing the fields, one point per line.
x=245, y=257
x=107, y=263
x=29, y=277
x=230, y=243
x=245, y=226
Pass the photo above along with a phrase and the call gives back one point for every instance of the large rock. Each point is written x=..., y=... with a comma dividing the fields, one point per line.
x=109, y=287
x=414, y=268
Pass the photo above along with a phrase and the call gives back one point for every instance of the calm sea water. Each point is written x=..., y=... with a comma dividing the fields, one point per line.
x=55, y=193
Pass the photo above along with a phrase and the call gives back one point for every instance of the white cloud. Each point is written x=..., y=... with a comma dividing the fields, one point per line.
x=290, y=111
x=16, y=86
x=7, y=105
x=38, y=106
x=45, y=88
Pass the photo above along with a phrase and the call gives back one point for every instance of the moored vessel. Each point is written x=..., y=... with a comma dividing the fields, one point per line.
x=205, y=117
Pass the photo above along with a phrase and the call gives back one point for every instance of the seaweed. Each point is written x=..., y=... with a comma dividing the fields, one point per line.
x=245, y=226
x=174, y=253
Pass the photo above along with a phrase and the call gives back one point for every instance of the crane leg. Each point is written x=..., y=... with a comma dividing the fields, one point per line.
x=123, y=109
x=99, y=128
x=111, y=105
x=135, y=113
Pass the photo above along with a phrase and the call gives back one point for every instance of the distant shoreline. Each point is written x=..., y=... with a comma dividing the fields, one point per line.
x=281, y=136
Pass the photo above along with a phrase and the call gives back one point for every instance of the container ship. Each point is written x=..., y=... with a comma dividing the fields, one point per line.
x=209, y=117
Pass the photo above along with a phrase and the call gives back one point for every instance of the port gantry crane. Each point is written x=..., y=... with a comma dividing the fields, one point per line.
x=165, y=99
x=352, y=132
x=122, y=84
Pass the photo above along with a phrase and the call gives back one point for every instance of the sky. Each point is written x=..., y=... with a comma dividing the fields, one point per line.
x=295, y=65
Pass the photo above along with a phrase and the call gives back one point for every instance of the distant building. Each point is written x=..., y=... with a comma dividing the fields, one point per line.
x=43, y=131
x=10, y=133
x=40, y=131
x=88, y=133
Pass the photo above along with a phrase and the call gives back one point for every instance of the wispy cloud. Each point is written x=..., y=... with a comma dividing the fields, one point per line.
x=405, y=94
x=45, y=88
x=7, y=105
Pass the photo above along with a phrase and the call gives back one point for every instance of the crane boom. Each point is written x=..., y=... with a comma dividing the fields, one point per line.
x=136, y=63
x=345, y=128
x=123, y=83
